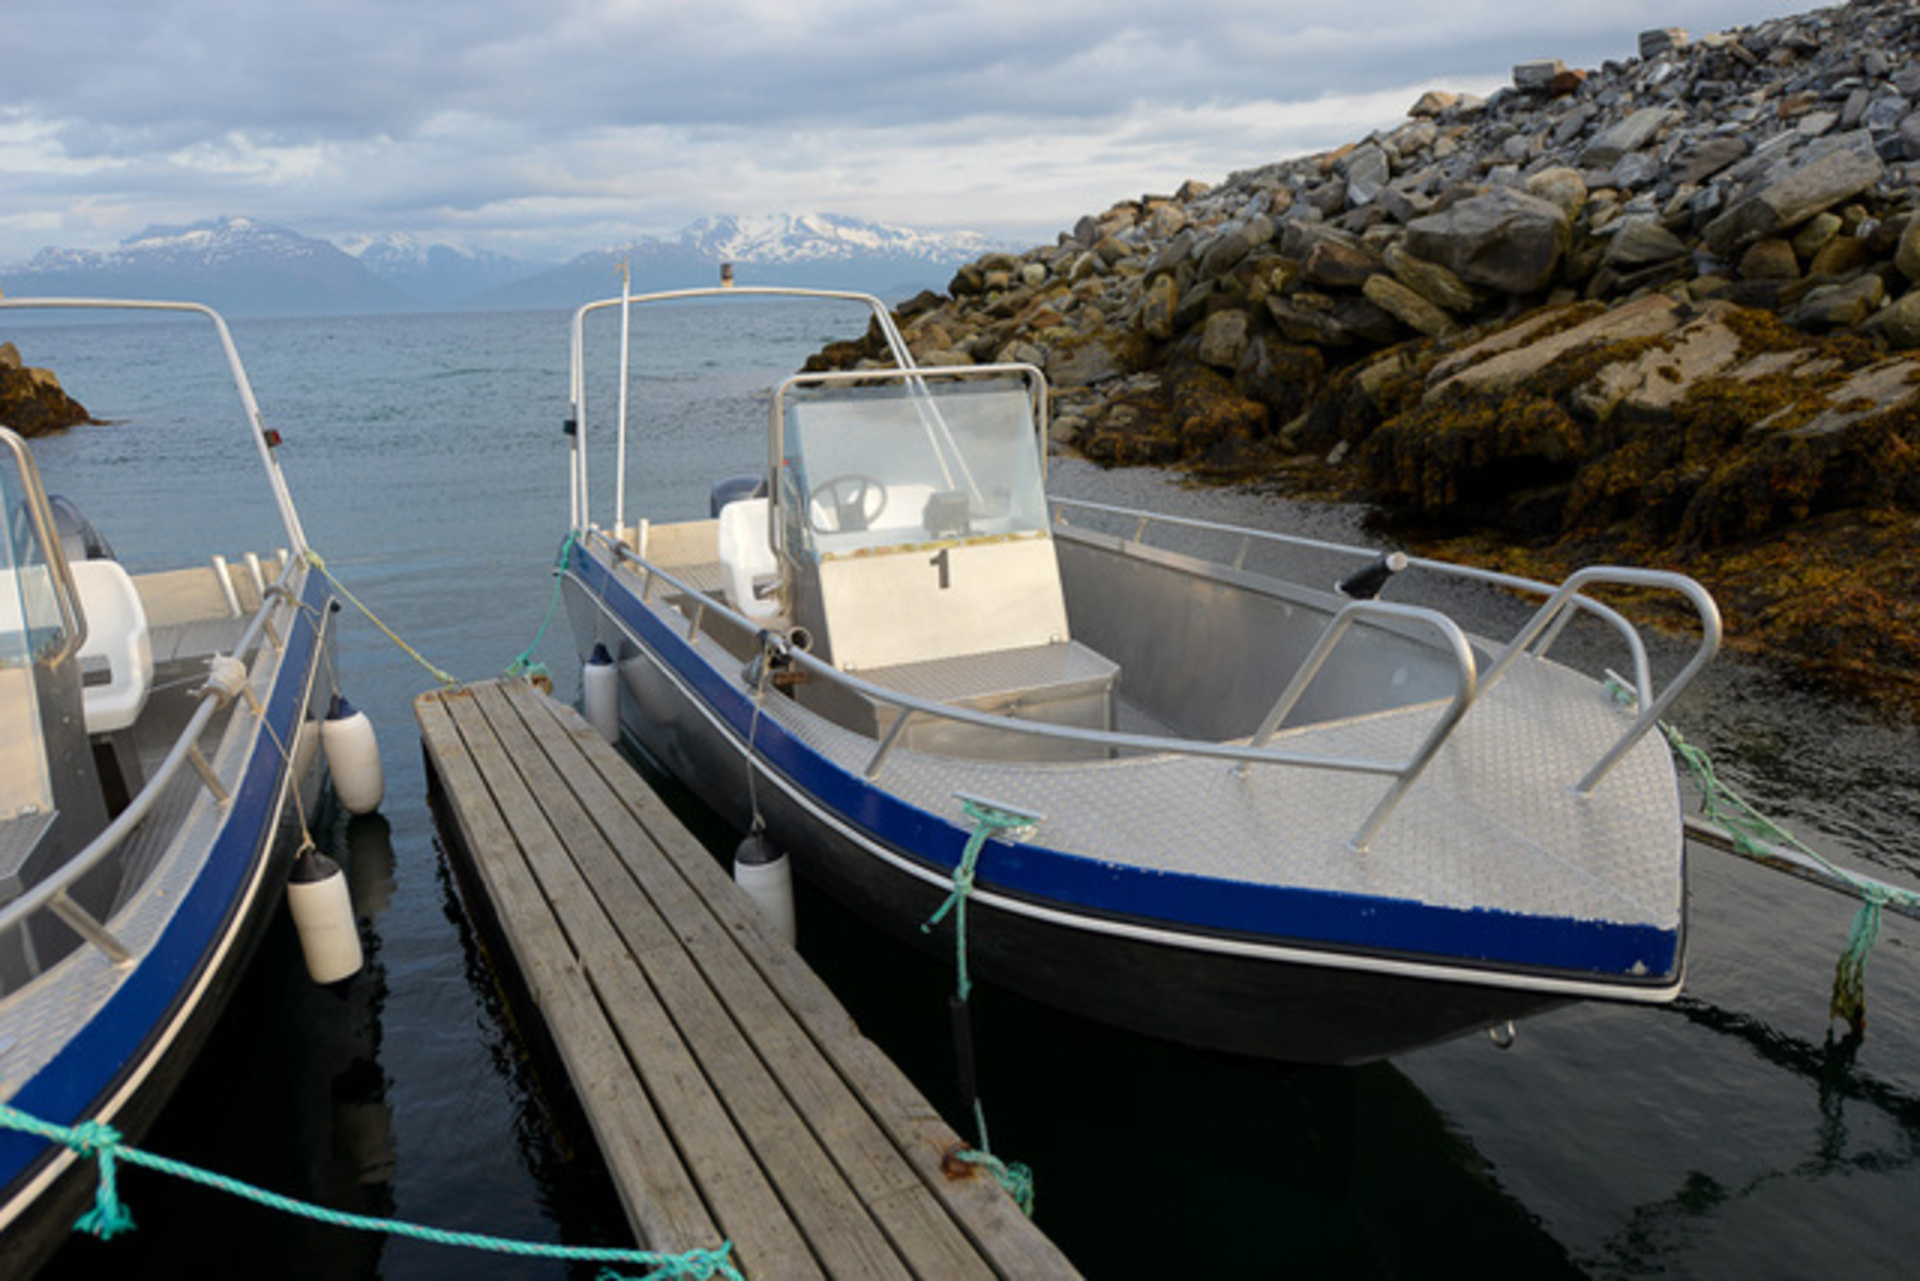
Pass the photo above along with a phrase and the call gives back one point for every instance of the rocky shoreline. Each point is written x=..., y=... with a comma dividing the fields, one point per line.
x=1661, y=312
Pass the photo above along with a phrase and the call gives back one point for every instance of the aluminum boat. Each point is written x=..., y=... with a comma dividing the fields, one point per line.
x=158, y=720
x=1230, y=803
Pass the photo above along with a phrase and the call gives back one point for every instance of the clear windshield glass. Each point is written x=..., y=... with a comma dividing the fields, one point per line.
x=30, y=619
x=903, y=463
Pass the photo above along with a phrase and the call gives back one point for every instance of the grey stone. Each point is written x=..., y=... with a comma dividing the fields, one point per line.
x=1665, y=40
x=1537, y=76
x=1709, y=157
x=1368, y=172
x=1839, y=306
x=1791, y=192
x=1503, y=239
x=1641, y=242
x=1432, y=281
x=1899, y=322
x=1223, y=339
x=1629, y=135
x=1406, y=306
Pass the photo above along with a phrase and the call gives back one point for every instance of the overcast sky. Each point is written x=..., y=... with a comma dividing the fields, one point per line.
x=544, y=128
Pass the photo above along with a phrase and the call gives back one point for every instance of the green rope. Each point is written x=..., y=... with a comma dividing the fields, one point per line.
x=1753, y=833
x=523, y=665
x=109, y=1217
x=986, y=821
x=1014, y=1176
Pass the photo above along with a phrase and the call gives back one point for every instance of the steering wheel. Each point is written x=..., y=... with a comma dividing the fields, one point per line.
x=848, y=502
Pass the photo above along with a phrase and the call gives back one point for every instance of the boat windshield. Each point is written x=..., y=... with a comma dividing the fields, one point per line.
x=32, y=625
x=873, y=465
x=31, y=622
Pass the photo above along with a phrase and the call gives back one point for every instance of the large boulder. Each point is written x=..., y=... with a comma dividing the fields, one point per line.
x=1501, y=238
x=32, y=401
x=1787, y=194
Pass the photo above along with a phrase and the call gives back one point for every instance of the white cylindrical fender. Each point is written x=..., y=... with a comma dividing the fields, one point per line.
x=353, y=757
x=600, y=693
x=323, y=915
x=763, y=870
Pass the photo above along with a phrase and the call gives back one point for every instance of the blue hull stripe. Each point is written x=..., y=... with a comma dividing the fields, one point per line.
x=75, y=1083
x=1639, y=955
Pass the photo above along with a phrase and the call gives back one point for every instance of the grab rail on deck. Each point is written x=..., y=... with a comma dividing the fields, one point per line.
x=1539, y=633
x=51, y=893
x=1330, y=637
x=909, y=706
x=1550, y=619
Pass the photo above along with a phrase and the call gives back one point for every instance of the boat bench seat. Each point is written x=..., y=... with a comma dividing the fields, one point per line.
x=1062, y=683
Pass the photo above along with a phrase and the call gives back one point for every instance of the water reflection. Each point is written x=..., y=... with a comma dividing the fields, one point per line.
x=289, y=1095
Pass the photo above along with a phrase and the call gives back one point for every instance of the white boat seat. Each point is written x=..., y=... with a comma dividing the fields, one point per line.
x=118, y=641
x=746, y=557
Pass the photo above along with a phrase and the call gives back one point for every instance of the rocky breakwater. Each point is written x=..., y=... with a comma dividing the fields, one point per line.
x=32, y=401
x=1663, y=312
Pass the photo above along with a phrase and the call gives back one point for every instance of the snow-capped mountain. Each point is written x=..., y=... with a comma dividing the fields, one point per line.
x=438, y=274
x=238, y=265
x=246, y=267
x=818, y=250
x=796, y=238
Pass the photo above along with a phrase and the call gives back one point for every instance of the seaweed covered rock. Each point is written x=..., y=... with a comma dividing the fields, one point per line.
x=32, y=402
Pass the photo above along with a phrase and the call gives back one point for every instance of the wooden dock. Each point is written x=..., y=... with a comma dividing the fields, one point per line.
x=732, y=1096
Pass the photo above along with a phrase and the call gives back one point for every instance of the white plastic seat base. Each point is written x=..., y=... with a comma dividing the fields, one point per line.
x=746, y=556
x=117, y=636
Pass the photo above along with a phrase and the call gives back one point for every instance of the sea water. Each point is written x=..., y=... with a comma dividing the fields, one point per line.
x=1728, y=1134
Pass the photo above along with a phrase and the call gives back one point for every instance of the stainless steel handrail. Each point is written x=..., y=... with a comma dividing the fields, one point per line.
x=1470, y=573
x=1538, y=633
x=178, y=757
x=283, y=500
x=1145, y=743
x=1336, y=629
x=577, y=372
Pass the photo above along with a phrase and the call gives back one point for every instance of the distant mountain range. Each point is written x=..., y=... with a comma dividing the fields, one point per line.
x=246, y=267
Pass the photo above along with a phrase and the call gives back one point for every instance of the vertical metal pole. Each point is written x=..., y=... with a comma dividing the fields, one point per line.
x=620, y=448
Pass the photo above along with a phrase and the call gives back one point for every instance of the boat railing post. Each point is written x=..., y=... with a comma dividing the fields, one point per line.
x=81, y=922
x=1442, y=729
x=886, y=744
x=1653, y=709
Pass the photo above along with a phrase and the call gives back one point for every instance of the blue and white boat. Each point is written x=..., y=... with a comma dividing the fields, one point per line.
x=158, y=726
x=1243, y=808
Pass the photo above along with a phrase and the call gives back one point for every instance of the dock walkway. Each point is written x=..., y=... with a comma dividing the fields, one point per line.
x=732, y=1096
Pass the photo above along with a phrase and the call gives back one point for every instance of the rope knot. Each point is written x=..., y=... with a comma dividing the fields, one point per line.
x=101, y=1142
x=94, y=1138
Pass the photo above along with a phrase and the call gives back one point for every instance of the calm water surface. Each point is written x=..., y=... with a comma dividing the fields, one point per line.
x=1726, y=1135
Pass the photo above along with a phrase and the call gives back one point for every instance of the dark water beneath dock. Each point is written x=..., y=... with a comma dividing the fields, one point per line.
x=1725, y=1135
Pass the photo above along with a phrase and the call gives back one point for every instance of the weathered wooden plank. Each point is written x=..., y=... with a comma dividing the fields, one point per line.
x=916, y=1221
x=827, y=1211
x=659, y=1197
x=864, y=1109
x=722, y=1164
